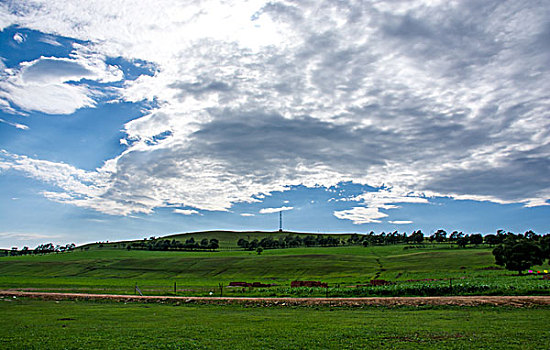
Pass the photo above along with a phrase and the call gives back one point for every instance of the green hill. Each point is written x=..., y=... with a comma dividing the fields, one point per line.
x=408, y=270
x=397, y=269
x=227, y=239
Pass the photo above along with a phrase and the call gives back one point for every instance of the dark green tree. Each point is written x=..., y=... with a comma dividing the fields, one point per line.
x=545, y=246
x=416, y=237
x=476, y=239
x=214, y=244
x=519, y=255
x=491, y=240
x=462, y=241
x=439, y=236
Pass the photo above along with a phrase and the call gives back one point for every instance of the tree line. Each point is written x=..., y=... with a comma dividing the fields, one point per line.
x=383, y=238
x=290, y=241
x=165, y=244
x=45, y=248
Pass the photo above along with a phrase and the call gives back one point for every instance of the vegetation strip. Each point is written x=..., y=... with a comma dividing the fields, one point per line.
x=518, y=301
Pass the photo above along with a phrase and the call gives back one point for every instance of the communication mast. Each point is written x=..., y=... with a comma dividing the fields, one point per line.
x=281, y=221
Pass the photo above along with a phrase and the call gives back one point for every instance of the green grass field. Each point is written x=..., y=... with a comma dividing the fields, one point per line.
x=430, y=270
x=32, y=324
x=111, y=270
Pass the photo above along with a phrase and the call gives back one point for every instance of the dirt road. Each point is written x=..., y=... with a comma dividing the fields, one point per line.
x=517, y=301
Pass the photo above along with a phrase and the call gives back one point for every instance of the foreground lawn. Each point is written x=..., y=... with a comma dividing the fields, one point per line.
x=34, y=324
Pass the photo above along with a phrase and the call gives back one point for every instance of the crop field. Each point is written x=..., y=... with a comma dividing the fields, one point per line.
x=110, y=325
x=420, y=271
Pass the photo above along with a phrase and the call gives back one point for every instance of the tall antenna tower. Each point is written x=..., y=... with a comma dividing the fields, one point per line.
x=281, y=221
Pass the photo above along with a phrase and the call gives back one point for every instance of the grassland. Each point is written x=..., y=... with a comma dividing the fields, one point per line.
x=431, y=270
x=427, y=270
x=31, y=324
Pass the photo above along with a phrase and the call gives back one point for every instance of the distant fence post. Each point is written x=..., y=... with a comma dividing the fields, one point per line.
x=137, y=290
x=221, y=289
x=175, y=288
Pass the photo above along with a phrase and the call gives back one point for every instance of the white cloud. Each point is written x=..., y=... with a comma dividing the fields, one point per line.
x=185, y=211
x=48, y=84
x=19, y=38
x=360, y=215
x=382, y=199
x=26, y=236
x=30, y=239
x=15, y=125
x=247, y=214
x=274, y=210
x=50, y=40
x=420, y=98
x=400, y=222
x=388, y=198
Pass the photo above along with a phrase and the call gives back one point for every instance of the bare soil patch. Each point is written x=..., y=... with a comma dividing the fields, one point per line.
x=516, y=301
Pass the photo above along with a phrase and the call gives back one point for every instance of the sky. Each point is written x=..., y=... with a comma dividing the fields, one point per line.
x=131, y=119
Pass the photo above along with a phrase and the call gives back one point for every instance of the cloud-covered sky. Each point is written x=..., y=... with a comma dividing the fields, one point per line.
x=123, y=118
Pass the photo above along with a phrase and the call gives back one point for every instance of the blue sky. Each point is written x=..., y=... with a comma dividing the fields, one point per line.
x=128, y=120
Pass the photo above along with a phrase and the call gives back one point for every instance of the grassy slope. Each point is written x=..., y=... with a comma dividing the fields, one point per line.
x=227, y=239
x=117, y=271
x=344, y=264
x=31, y=324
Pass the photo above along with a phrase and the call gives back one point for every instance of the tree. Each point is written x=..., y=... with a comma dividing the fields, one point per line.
x=476, y=239
x=243, y=243
x=462, y=241
x=439, y=236
x=416, y=237
x=259, y=250
x=214, y=244
x=491, y=240
x=518, y=256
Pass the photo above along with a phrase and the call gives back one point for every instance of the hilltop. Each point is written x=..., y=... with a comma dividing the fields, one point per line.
x=227, y=239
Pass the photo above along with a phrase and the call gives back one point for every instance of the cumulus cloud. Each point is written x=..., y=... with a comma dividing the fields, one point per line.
x=185, y=211
x=388, y=198
x=382, y=199
x=361, y=215
x=417, y=98
x=55, y=85
x=19, y=38
x=274, y=210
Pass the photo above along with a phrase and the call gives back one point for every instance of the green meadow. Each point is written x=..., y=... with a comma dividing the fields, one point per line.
x=33, y=324
x=430, y=269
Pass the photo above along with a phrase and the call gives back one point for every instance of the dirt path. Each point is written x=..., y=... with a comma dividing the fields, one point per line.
x=517, y=301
